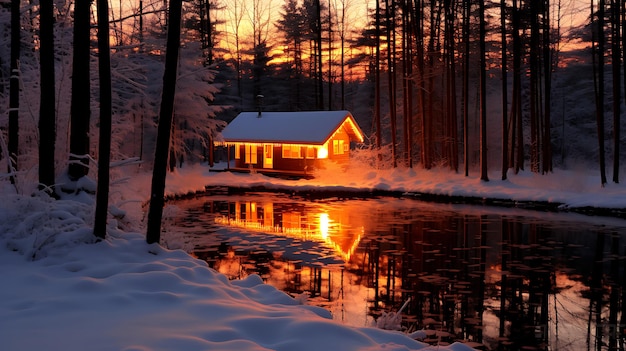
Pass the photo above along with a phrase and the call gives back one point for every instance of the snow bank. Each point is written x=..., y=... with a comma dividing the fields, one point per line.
x=64, y=291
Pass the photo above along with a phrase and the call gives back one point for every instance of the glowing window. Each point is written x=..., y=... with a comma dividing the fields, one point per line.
x=291, y=151
x=251, y=154
x=237, y=151
x=310, y=152
x=338, y=147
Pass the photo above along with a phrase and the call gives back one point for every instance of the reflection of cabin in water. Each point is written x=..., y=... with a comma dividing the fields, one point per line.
x=296, y=221
x=290, y=142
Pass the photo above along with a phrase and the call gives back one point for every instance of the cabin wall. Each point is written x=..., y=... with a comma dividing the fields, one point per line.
x=294, y=164
x=279, y=163
x=338, y=152
x=241, y=161
x=339, y=147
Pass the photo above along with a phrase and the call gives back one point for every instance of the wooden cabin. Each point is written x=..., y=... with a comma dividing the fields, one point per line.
x=290, y=142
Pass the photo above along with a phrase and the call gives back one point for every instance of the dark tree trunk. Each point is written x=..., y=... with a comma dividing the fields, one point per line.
x=466, y=62
x=429, y=102
x=377, y=79
x=517, y=149
x=14, y=89
x=599, y=84
x=80, y=110
x=391, y=80
x=534, y=88
x=343, y=55
x=505, y=102
x=407, y=93
x=209, y=32
x=104, y=146
x=421, y=81
x=141, y=26
x=47, y=113
x=547, y=69
x=617, y=93
x=617, y=122
x=157, y=201
x=451, y=129
x=320, y=68
x=483, y=94
x=330, y=60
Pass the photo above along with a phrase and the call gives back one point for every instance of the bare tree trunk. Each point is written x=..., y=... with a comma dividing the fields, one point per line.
x=451, y=129
x=236, y=19
x=209, y=34
x=157, y=201
x=330, y=59
x=342, y=33
x=547, y=69
x=141, y=24
x=80, y=109
x=104, y=145
x=410, y=83
x=599, y=82
x=407, y=94
x=377, y=83
x=318, y=56
x=14, y=89
x=47, y=112
x=483, y=94
x=429, y=69
x=466, y=62
x=421, y=81
x=516, y=108
x=617, y=93
x=505, y=103
x=391, y=81
x=534, y=88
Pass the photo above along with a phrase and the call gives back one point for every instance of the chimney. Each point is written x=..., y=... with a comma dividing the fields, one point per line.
x=259, y=104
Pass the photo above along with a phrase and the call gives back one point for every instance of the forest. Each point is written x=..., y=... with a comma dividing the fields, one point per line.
x=467, y=85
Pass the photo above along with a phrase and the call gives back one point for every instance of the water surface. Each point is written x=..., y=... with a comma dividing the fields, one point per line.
x=507, y=278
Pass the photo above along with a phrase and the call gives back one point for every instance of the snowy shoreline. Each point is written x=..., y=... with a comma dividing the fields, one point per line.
x=516, y=192
x=62, y=290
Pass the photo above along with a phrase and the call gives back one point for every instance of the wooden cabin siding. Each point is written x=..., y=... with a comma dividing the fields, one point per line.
x=241, y=161
x=294, y=164
x=342, y=140
x=289, y=135
x=303, y=164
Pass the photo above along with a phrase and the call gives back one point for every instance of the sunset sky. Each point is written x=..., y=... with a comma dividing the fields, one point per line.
x=238, y=17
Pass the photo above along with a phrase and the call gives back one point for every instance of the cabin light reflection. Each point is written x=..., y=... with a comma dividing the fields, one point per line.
x=318, y=227
x=324, y=225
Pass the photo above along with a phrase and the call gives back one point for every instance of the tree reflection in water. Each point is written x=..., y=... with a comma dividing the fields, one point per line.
x=506, y=278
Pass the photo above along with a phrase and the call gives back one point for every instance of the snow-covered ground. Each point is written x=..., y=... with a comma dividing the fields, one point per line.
x=61, y=290
x=571, y=188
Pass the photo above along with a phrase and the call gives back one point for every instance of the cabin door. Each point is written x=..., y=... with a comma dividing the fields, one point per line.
x=268, y=156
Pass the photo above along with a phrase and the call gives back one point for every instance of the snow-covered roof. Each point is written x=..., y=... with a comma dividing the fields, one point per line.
x=302, y=127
